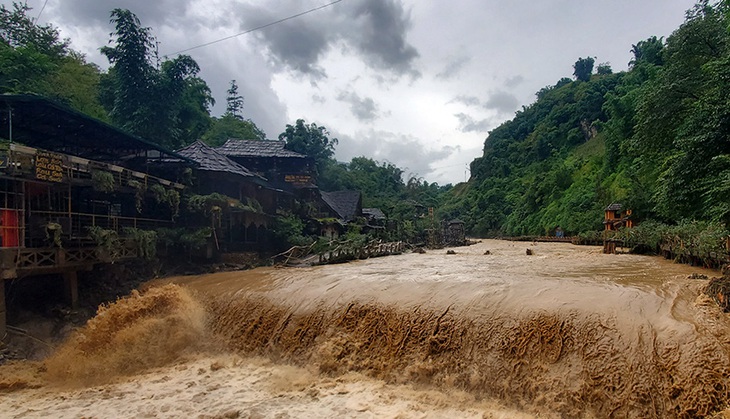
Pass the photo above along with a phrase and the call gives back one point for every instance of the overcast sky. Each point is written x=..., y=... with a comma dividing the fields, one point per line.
x=415, y=83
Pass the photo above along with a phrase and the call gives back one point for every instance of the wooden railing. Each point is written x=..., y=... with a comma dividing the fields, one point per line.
x=345, y=251
x=16, y=262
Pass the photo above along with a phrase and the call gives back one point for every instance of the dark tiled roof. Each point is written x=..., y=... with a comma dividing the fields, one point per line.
x=613, y=207
x=374, y=213
x=211, y=160
x=257, y=148
x=344, y=203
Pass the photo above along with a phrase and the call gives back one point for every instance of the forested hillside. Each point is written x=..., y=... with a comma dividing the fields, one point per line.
x=655, y=138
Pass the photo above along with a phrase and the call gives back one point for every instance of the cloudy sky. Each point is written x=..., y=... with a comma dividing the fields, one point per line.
x=415, y=83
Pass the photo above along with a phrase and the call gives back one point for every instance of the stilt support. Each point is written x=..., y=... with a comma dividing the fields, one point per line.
x=71, y=283
x=3, y=316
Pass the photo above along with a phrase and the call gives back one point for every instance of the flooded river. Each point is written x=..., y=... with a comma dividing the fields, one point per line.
x=565, y=332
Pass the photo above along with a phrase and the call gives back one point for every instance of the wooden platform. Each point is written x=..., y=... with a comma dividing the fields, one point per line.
x=25, y=262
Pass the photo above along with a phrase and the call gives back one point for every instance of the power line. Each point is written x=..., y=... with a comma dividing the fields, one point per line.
x=39, y=13
x=256, y=28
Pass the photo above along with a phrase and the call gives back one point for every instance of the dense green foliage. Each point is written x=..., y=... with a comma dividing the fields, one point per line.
x=166, y=103
x=311, y=140
x=654, y=138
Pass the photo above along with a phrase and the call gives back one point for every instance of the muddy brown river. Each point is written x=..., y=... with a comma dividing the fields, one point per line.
x=565, y=332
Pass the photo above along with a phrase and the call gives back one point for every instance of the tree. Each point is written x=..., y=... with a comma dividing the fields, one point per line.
x=311, y=140
x=228, y=126
x=234, y=101
x=648, y=51
x=583, y=68
x=29, y=54
x=17, y=30
x=604, y=69
x=156, y=103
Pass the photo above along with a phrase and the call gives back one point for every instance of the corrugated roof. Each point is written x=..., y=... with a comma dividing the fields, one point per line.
x=344, y=203
x=211, y=160
x=257, y=148
x=43, y=123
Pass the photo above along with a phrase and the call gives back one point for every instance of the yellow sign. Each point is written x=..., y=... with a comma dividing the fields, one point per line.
x=298, y=179
x=48, y=166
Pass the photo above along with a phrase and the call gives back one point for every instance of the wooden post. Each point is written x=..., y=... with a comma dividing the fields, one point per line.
x=71, y=284
x=3, y=316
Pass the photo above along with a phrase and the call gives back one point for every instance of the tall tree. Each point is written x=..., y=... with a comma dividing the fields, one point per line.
x=234, y=101
x=583, y=68
x=150, y=101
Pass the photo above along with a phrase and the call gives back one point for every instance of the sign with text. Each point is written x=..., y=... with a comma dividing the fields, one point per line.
x=298, y=180
x=49, y=166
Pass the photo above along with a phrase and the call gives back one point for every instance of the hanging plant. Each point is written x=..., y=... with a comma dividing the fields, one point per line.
x=144, y=241
x=107, y=241
x=103, y=181
x=140, y=189
x=170, y=197
x=53, y=234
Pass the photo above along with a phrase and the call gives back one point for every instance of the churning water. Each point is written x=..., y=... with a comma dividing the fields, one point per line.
x=565, y=332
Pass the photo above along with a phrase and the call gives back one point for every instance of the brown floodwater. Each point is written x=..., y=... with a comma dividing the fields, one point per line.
x=565, y=332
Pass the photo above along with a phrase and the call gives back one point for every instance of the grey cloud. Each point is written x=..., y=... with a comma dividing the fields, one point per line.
x=466, y=100
x=380, y=34
x=97, y=13
x=364, y=109
x=407, y=152
x=469, y=124
x=502, y=102
x=453, y=67
x=515, y=81
x=375, y=29
x=295, y=44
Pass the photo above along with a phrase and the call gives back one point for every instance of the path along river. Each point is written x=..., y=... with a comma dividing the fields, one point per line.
x=565, y=332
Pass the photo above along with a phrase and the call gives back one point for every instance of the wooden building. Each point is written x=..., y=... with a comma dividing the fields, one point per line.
x=615, y=217
x=335, y=210
x=284, y=169
x=245, y=221
x=62, y=173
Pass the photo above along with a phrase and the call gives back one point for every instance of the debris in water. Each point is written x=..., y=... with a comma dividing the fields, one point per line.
x=529, y=252
x=719, y=290
x=450, y=252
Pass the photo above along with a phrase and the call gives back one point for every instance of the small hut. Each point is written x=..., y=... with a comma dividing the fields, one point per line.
x=615, y=217
x=454, y=233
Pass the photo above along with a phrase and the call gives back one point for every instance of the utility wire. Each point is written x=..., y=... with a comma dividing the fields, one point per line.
x=39, y=13
x=256, y=28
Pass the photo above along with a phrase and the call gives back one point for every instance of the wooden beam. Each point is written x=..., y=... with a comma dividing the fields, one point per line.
x=3, y=316
x=71, y=285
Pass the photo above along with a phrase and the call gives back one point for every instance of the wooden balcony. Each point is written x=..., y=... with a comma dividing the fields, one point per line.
x=22, y=262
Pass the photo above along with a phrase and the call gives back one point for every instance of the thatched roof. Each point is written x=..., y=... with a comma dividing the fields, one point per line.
x=345, y=203
x=257, y=148
x=211, y=160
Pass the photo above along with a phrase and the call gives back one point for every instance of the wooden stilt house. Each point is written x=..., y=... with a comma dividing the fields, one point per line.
x=63, y=174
